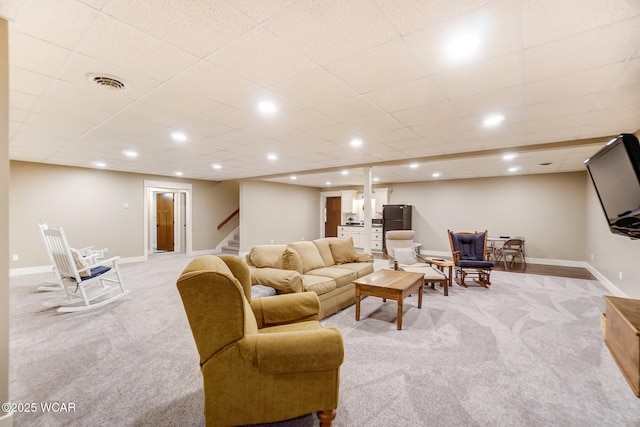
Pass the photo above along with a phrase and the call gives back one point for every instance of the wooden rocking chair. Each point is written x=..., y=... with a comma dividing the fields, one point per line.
x=87, y=286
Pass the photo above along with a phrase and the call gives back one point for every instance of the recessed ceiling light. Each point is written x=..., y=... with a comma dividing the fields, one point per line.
x=272, y=156
x=267, y=107
x=356, y=142
x=327, y=183
x=509, y=156
x=514, y=169
x=464, y=45
x=179, y=173
x=345, y=172
x=436, y=174
x=293, y=177
x=376, y=179
x=99, y=164
x=216, y=166
x=414, y=166
x=130, y=153
x=493, y=120
x=178, y=136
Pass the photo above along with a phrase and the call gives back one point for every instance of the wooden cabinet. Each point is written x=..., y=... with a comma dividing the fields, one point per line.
x=356, y=233
x=376, y=239
x=622, y=336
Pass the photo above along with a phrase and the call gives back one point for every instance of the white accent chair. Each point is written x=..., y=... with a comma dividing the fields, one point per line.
x=86, y=286
x=401, y=252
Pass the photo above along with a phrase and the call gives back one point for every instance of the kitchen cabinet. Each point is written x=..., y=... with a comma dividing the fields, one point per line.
x=381, y=197
x=376, y=239
x=346, y=200
x=356, y=233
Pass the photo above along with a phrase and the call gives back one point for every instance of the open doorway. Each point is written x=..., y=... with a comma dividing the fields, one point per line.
x=167, y=217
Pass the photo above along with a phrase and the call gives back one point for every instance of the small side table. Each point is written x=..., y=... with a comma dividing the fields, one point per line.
x=441, y=264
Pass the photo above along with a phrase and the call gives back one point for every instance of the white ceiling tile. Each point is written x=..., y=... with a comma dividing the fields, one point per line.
x=547, y=20
x=489, y=75
x=213, y=82
x=260, y=11
x=571, y=85
x=431, y=113
x=376, y=124
x=305, y=119
x=495, y=24
x=60, y=22
x=406, y=95
x=327, y=31
x=21, y=100
x=28, y=82
x=363, y=72
x=497, y=101
x=181, y=101
x=563, y=107
x=131, y=49
x=591, y=49
x=314, y=88
x=96, y=4
x=28, y=52
x=349, y=110
x=197, y=27
x=409, y=16
x=262, y=58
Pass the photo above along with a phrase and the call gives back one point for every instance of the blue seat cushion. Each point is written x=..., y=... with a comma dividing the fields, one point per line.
x=475, y=264
x=97, y=271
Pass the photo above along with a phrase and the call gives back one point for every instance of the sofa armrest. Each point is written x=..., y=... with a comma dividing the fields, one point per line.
x=298, y=351
x=283, y=281
x=286, y=308
x=364, y=257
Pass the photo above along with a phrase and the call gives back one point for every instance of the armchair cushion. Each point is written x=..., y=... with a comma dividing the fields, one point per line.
x=299, y=351
x=343, y=251
x=291, y=260
x=81, y=265
x=283, y=281
x=287, y=308
x=406, y=256
x=475, y=264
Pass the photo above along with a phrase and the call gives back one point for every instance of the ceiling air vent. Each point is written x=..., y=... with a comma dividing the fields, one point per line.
x=106, y=81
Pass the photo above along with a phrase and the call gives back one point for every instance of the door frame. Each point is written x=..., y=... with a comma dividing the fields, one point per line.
x=150, y=188
x=323, y=205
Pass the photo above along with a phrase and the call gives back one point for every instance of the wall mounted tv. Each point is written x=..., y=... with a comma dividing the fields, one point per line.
x=615, y=173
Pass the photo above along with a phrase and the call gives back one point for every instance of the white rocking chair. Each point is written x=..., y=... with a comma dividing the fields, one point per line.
x=87, y=286
x=90, y=257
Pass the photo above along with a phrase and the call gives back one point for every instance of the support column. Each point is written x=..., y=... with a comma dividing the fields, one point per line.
x=367, y=210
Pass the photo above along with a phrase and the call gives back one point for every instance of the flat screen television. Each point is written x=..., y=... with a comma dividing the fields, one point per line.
x=615, y=173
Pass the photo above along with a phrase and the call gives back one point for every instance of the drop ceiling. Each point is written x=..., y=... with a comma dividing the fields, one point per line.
x=565, y=76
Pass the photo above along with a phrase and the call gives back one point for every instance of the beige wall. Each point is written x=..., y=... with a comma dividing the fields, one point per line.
x=548, y=210
x=277, y=213
x=88, y=204
x=5, y=420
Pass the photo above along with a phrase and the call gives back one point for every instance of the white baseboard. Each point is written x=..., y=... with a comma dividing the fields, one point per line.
x=607, y=284
x=49, y=269
x=6, y=420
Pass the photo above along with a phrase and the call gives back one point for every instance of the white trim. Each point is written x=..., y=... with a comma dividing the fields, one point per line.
x=151, y=186
x=607, y=284
x=6, y=420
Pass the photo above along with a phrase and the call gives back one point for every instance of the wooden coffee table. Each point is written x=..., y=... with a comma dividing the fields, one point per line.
x=391, y=284
x=442, y=263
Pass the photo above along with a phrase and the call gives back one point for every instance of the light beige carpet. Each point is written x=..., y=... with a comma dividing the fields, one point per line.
x=527, y=352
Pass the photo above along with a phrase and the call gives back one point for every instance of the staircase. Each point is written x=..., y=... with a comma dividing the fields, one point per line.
x=233, y=246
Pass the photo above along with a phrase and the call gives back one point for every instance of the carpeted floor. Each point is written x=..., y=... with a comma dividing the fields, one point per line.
x=527, y=352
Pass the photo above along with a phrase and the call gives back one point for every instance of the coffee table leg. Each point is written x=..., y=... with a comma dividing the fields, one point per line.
x=420, y=296
x=357, y=303
x=400, y=313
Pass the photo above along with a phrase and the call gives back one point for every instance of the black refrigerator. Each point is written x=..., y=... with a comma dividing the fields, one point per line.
x=395, y=217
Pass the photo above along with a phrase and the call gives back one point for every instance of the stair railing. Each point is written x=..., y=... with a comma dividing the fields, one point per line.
x=227, y=219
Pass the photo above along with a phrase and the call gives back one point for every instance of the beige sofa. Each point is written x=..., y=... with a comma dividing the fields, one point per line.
x=325, y=266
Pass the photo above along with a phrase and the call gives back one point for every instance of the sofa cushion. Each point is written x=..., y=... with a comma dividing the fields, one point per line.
x=318, y=284
x=360, y=268
x=325, y=250
x=343, y=250
x=284, y=281
x=342, y=276
x=291, y=260
x=267, y=256
x=309, y=254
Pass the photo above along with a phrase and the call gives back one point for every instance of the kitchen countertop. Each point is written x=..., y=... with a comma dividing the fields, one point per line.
x=360, y=225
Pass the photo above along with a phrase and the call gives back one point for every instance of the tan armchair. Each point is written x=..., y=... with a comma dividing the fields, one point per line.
x=262, y=361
